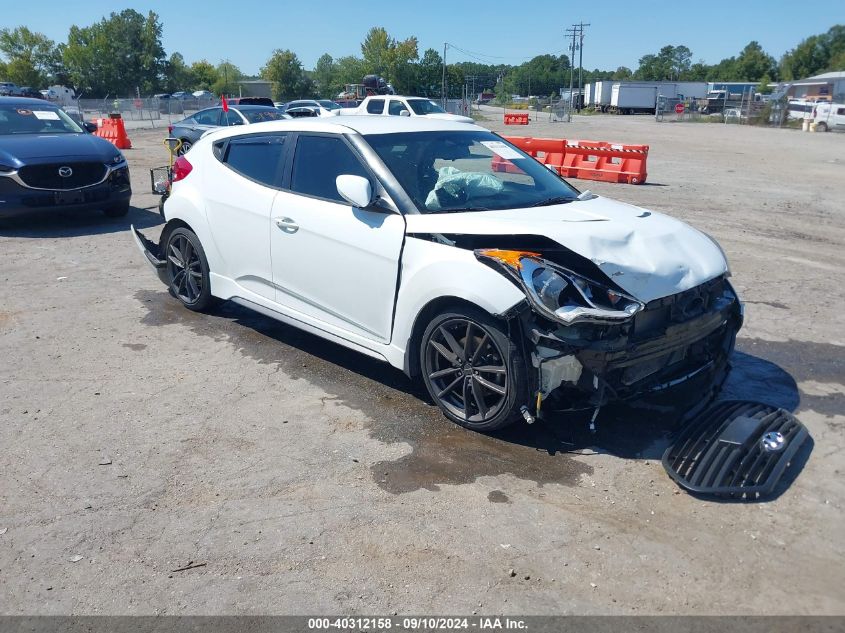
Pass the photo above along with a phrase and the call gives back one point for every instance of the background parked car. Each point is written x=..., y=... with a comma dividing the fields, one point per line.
x=203, y=95
x=320, y=107
x=190, y=130
x=29, y=92
x=48, y=162
x=7, y=88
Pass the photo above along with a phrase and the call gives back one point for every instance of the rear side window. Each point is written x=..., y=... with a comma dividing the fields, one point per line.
x=318, y=161
x=257, y=157
x=208, y=117
x=840, y=111
x=375, y=106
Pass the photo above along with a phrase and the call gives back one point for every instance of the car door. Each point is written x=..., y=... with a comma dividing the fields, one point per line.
x=203, y=121
x=239, y=188
x=395, y=107
x=334, y=263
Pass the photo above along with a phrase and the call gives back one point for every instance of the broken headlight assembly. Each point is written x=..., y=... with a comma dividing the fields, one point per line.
x=560, y=294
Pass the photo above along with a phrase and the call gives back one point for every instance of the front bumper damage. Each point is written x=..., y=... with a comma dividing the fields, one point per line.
x=683, y=340
x=152, y=252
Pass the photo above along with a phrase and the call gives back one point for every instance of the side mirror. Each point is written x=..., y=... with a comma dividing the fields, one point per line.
x=356, y=190
x=89, y=127
x=404, y=113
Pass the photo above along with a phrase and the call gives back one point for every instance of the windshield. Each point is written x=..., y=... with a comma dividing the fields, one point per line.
x=329, y=105
x=467, y=171
x=258, y=116
x=17, y=119
x=424, y=106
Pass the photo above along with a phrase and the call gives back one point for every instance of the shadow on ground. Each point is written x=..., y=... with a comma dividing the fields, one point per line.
x=399, y=411
x=76, y=223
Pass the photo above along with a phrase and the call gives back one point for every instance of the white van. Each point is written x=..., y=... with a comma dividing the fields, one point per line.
x=829, y=116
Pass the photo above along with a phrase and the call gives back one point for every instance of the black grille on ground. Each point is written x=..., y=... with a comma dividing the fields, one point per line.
x=724, y=450
x=47, y=176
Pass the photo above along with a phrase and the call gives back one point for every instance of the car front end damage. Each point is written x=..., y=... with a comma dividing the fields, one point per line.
x=589, y=342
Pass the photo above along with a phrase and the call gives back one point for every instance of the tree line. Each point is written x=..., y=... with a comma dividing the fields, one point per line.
x=123, y=54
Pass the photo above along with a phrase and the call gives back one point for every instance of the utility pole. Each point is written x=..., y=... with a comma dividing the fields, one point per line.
x=581, y=66
x=443, y=94
x=571, y=33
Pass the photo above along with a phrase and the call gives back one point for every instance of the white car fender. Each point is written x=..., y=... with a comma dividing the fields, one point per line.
x=186, y=204
x=432, y=271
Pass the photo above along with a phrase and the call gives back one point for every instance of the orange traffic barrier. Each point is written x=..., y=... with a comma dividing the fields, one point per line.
x=516, y=118
x=588, y=160
x=113, y=130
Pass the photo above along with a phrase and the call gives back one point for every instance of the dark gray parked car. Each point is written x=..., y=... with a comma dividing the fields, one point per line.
x=190, y=130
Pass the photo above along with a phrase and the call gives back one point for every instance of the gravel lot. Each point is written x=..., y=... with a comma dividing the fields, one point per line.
x=296, y=477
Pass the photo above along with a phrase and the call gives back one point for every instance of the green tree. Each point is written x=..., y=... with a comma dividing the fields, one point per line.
x=228, y=76
x=30, y=55
x=203, y=75
x=285, y=71
x=350, y=70
x=375, y=50
x=815, y=54
x=177, y=74
x=117, y=55
x=400, y=68
x=325, y=77
x=622, y=73
x=430, y=74
x=753, y=63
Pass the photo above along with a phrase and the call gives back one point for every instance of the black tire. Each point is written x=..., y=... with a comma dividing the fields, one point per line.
x=489, y=372
x=117, y=211
x=186, y=270
x=184, y=147
x=821, y=127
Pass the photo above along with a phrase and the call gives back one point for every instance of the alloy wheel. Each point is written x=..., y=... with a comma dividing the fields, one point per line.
x=184, y=269
x=467, y=370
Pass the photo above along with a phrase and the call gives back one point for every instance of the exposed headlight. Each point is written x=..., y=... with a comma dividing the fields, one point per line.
x=561, y=294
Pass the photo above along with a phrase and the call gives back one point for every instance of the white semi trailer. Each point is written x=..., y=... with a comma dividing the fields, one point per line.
x=633, y=98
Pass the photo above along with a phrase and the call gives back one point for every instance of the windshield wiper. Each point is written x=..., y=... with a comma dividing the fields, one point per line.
x=556, y=200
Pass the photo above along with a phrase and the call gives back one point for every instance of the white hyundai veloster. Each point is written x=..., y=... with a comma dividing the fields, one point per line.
x=444, y=250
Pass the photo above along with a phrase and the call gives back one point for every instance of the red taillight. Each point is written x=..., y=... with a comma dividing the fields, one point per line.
x=181, y=169
x=169, y=130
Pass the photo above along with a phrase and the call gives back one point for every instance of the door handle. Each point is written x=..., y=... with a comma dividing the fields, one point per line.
x=287, y=225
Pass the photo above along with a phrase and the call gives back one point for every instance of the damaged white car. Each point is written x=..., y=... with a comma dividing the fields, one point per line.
x=454, y=256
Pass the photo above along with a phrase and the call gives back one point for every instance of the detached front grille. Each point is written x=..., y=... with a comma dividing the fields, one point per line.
x=48, y=176
x=735, y=449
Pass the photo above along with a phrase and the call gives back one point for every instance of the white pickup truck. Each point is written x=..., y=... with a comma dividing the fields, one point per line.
x=395, y=105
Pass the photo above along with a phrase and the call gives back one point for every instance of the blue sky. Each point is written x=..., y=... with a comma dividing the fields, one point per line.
x=246, y=32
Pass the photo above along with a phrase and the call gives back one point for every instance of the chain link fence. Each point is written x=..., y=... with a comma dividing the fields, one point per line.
x=151, y=109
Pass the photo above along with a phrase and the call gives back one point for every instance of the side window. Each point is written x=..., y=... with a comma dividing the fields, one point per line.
x=840, y=111
x=318, y=161
x=395, y=107
x=208, y=117
x=375, y=106
x=257, y=157
x=230, y=117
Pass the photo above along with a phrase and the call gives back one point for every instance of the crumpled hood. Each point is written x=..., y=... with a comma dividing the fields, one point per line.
x=35, y=148
x=648, y=254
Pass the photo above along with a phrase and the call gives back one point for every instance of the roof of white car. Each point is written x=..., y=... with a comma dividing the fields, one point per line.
x=344, y=123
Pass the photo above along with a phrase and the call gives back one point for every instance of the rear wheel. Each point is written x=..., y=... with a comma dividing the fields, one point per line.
x=472, y=370
x=187, y=270
x=184, y=147
x=821, y=127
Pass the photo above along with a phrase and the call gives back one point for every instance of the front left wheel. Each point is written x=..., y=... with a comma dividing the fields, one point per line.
x=187, y=270
x=472, y=370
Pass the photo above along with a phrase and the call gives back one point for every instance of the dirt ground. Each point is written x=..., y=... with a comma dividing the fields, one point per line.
x=296, y=477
